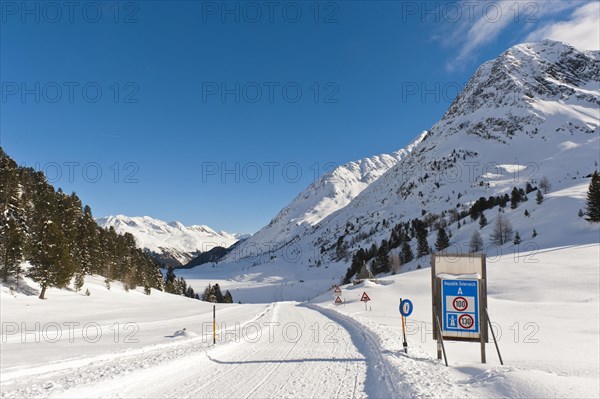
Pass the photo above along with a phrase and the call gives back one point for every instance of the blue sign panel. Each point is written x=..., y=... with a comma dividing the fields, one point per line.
x=460, y=306
x=406, y=308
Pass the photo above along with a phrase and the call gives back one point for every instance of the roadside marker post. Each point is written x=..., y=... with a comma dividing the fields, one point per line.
x=406, y=308
x=214, y=324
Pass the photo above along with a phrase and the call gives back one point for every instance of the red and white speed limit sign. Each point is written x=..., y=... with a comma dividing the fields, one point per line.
x=466, y=321
x=460, y=303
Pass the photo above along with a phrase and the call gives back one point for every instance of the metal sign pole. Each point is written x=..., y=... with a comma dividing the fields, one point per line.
x=440, y=338
x=494, y=336
x=482, y=323
x=405, y=344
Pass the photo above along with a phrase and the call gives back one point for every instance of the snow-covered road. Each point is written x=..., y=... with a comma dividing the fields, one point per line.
x=292, y=350
x=298, y=352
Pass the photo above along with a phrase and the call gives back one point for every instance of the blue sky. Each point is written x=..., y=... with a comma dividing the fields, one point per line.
x=220, y=113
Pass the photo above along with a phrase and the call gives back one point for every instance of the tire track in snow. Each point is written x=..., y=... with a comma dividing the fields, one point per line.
x=284, y=368
x=369, y=347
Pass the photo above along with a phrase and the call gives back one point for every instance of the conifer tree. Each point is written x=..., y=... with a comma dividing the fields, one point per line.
x=217, y=292
x=482, y=221
x=170, y=281
x=406, y=255
x=12, y=241
x=228, y=298
x=515, y=198
x=539, y=198
x=79, y=280
x=528, y=188
x=422, y=244
x=32, y=204
x=517, y=239
x=355, y=265
x=442, y=242
x=190, y=292
x=51, y=264
x=208, y=292
x=593, y=199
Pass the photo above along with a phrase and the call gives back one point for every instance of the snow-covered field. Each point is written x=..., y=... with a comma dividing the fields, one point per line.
x=547, y=319
x=71, y=339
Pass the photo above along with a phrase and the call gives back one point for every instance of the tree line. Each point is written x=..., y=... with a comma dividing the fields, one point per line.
x=60, y=238
x=417, y=229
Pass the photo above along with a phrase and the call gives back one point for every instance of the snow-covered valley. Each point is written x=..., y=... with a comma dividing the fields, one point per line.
x=519, y=147
x=548, y=336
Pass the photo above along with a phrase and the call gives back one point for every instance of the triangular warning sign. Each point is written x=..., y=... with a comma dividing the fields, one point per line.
x=337, y=290
x=365, y=297
x=338, y=300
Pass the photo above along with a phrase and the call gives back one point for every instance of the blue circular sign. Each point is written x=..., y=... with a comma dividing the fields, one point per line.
x=406, y=308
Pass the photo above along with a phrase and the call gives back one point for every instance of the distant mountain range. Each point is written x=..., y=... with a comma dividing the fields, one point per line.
x=172, y=244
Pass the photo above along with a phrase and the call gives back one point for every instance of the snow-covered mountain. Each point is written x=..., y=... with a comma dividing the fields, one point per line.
x=171, y=243
x=532, y=112
x=331, y=192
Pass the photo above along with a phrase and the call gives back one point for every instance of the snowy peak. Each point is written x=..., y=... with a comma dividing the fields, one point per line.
x=530, y=113
x=332, y=191
x=527, y=84
x=172, y=243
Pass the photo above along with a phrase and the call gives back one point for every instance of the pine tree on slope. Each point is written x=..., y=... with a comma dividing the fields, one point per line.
x=593, y=199
x=442, y=242
x=406, y=255
x=12, y=241
x=51, y=264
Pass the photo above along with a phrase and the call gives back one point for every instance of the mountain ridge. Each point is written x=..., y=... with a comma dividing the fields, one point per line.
x=331, y=192
x=171, y=243
x=529, y=114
